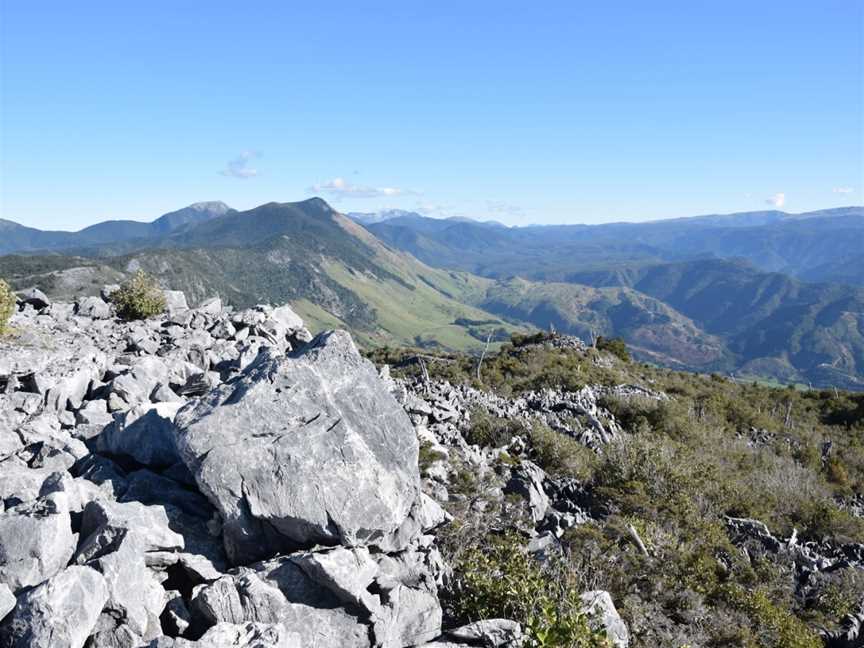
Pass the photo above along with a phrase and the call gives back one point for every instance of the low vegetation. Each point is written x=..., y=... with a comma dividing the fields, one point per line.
x=497, y=579
x=793, y=459
x=139, y=298
x=7, y=305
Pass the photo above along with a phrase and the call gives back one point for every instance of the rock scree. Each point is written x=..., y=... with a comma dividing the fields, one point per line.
x=215, y=477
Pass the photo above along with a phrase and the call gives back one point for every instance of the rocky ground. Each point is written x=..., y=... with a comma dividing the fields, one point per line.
x=217, y=478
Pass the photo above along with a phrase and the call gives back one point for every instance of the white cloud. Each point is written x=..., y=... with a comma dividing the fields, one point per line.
x=842, y=190
x=239, y=166
x=342, y=188
x=777, y=200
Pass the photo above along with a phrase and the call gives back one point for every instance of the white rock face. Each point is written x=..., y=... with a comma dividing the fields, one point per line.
x=309, y=446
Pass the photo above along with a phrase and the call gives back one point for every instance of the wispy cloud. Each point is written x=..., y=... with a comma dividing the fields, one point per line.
x=435, y=210
x=842, y=190
x=240, y=167
x=777, y=200
x=342, y=188
x=500, y=208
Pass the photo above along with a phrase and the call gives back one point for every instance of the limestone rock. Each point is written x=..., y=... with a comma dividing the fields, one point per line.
x=310, y=446
x=598, y=605
x=59, y=613
x=36, y=541
x=7, y=600
x=145, y=433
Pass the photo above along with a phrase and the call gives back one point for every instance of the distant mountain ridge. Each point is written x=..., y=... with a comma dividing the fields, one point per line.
x=19, y=238
x=820, y=245
x=682, y=307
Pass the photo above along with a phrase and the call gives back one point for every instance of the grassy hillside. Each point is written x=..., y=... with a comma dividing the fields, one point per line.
x=332, y=269
x=712, y=448
x=655, y=331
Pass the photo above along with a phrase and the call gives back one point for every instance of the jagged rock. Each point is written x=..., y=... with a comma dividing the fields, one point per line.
x=247, y=635
x=279, y=591
x=345, y=572
x=36, y=541
x=105, y=525
x=7, y=600
x=410, y=616
x=212, y=307
x=175, y=302
x=59, y=613
x=312, y=447
x=134, y=596
x=94, y=412
x=527, y=480
x=145, y=433
x=138, y=383
x=69, y=383
x=500, y=633
x=602, y=614
x=93, y=307
x=176, y=617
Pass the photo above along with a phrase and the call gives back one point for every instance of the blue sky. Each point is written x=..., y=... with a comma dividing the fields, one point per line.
x=522, y=112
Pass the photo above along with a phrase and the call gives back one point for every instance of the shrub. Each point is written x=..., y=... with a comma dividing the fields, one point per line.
x=139, y=298
x=615, y=346
x=491, y=431
x=7, y=304
x=558, y=454
x=497, y=579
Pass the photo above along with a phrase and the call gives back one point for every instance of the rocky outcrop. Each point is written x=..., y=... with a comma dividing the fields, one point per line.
x=210, y=477
x=302, y=450
x=213, y=477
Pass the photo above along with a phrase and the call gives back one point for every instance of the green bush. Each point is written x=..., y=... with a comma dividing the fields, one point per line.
x=497, y=579
x=615, y=346
x=558, y=454
x=139, y=298
x=7, y=305
x=490, y=431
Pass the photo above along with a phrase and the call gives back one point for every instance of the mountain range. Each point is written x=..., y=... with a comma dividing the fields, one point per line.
x=759, y=294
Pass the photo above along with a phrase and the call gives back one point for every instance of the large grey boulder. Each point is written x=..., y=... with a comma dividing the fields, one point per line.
x=302, y=450
x=93, y=307
x=527, y=480
x=36, y=541
x=59, y=613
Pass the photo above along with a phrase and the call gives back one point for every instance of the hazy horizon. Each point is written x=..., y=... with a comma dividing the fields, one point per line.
x=441, y=217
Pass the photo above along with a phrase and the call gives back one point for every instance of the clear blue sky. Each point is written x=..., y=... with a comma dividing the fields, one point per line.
x=519, y=111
